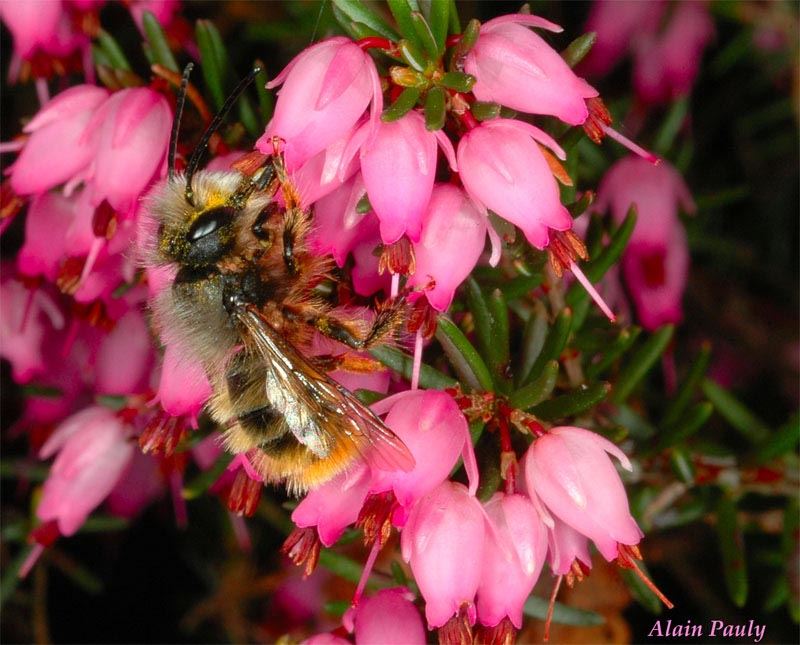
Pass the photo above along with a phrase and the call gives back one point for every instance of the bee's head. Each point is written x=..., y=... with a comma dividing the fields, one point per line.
x=195, y=235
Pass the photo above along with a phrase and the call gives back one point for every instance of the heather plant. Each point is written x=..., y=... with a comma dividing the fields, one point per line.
x=587, y=409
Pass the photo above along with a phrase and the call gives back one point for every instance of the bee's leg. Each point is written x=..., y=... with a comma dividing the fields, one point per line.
x=386, y=324
x=295, y=229
x=347, y=362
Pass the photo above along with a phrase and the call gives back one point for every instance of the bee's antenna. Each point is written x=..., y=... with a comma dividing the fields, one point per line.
x=176, y=124
x=197, y=155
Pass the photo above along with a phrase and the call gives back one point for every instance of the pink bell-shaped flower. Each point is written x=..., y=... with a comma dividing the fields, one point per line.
x=389, y=617
x=183, y=388
x=565, y=545
x=338, y=226
x=452, y=240
x=443, y=542
x=124, y=357
x=517, y=68
x=94, y=451
x=131, y=133
x=435, y=431
x=618, y=24
x=399, y=166
x=667, y=64
x=656, y=274
x=513, y=558
x=141, y=483
x=657, y=191
x=27, y=319
x=570, y=472
x=656, y=261
x=504, y=170
x=58, y=149
x=334, y=505
x=326, y=89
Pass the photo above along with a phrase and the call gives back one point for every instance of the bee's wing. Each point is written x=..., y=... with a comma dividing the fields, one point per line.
x=317, y=409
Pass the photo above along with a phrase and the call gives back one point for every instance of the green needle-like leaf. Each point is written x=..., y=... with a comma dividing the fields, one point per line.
x=438, y=20
x=562, y=614
x=425, y=35
x=402, y=105
x=212, y=74
x=574, y=403
x=641, y=362
x=402, y=10
x=10, y=580
x=115, y=56
x=453, y=21
x=266, y=102
x=682, y=465
x=538, y=390
x=357, y=11
x=671, y=125
x=491, y=326
x=627, y=337
x=640, y=591
x=678, y=432
x=159, y=47
x=577, y=50
x=736, y=413
x=782, y=442
x=464, y=358
x=731, y=544
x=412, y=55
x=597, y=267
x=554, y=343
x=688, y=387
x=429, y=377
x=435, y=112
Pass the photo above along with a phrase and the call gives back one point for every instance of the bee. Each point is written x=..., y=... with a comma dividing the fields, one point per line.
x=244, y=302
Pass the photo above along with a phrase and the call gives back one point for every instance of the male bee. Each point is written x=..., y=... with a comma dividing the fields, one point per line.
x=244, y=302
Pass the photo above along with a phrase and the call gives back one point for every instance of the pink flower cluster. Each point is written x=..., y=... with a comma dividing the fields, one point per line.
x=665, y=39
x=472, y=561
x=73, y=318
x=343, y=155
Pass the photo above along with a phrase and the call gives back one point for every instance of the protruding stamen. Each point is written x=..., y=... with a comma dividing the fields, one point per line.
x=626, y=558
x=551, y=607
x=630, y=145
x=581, y=277
x=417, y=360
x=244, y=494
x=302, y=547
x=458, y=630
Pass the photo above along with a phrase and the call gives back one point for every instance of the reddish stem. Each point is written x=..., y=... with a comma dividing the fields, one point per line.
x=375, y=42
x=506, y=449
x=453, y=39
x=468, y=121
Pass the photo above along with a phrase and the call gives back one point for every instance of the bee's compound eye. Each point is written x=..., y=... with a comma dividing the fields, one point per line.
x=209, y=222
